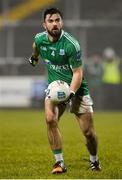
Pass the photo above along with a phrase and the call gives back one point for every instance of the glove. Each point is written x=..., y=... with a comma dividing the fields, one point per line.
x=33, y=61
x=72, y=94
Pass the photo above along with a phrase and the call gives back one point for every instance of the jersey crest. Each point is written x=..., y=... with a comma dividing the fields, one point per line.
x=62, y=52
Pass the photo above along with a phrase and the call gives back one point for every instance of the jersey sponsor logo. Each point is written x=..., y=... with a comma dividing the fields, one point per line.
x=43, y=48
x=59, y=68
x=46, y=61
x=62, y=52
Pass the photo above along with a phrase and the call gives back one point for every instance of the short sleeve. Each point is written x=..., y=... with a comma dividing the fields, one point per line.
x=74, y=55
x=37, y=40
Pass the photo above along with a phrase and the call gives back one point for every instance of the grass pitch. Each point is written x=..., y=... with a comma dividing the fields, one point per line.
x=25, y=152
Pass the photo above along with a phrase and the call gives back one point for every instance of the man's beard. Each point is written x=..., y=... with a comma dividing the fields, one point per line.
x=54, y=33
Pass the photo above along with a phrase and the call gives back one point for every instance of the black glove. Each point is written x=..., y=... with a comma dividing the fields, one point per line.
x=33, y=61
x=72, y=94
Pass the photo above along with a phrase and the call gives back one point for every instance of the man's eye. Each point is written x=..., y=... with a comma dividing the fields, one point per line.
x=57, y=20
x=50, y=21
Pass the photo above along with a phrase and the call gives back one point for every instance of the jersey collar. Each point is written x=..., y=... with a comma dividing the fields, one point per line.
x=62, y=32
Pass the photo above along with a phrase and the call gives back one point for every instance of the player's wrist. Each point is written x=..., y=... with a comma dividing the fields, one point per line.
x=33, y=60
x=72, y=92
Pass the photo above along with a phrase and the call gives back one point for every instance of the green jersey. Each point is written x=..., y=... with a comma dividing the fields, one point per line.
x=60, y=58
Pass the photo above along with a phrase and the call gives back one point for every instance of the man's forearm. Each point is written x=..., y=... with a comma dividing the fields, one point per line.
x=35, y=52
x=76, y=80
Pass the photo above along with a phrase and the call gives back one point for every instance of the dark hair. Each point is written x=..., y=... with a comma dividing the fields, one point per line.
x=52, y=11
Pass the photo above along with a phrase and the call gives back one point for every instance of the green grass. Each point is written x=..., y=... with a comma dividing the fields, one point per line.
x=25, y=152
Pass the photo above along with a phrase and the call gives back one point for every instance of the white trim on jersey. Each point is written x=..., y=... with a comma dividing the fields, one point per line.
x=40, y=34
x=73, y=41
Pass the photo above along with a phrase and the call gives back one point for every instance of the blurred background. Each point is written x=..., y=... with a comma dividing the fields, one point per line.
x=98, y=27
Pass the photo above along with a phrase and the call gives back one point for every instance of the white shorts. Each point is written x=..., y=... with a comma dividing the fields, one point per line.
x=81, y=104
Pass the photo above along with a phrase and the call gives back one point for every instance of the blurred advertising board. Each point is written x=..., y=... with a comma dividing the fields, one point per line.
x=21, y=91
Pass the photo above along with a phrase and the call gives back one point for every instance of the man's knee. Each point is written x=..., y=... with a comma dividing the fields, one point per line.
x=51, y=120
x=89, y=134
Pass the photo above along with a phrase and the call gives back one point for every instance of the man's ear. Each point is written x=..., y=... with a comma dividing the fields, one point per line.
x=62, y=22
x=44, y=26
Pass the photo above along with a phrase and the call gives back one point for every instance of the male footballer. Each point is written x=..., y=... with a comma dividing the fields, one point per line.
x=61, y=54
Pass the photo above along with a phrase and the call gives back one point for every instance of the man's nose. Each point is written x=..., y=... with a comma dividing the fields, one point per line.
x=55, y=23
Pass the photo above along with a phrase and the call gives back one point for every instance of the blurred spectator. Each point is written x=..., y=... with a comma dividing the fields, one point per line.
x=93, y=69
x=111, y=79
x=111, y=73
